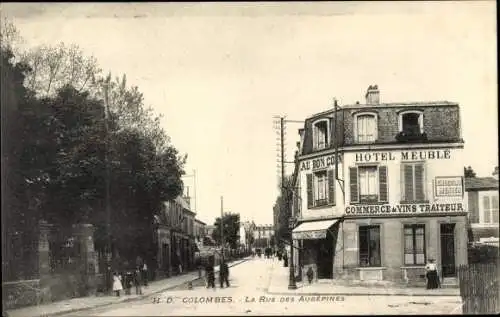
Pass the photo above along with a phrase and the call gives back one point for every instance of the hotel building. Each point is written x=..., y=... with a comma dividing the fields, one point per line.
x=380, y=191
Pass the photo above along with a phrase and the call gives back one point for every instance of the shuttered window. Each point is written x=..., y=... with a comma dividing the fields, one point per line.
x=309, y=184
x=368, y=184
x=320, y=188
x=413, y=175
x=490, y=209
x=366, y=128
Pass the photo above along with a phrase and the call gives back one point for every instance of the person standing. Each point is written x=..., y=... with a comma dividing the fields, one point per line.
x=209, y=271
x=145, y=274
x=138, y=281
x=285, y=259
x=223, y=274
x=431, y=274
x=117, y=284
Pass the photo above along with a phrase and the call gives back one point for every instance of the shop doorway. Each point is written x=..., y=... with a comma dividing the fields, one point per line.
x=165, y=256
x=325, y=257
x=447, y=234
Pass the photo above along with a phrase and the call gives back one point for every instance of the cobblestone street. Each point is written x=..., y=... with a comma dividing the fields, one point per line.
x=248, y=295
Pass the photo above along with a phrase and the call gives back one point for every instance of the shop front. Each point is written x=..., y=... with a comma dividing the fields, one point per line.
x=317, y=241
x=396, y=247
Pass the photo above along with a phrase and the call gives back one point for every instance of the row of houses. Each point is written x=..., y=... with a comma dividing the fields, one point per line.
x=378, y=190
x=178, y=234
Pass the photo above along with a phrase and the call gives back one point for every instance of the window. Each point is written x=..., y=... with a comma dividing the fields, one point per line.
x=490, y=210
x=413, y=182
x=368, y=184
x=320, y=188
x=414, y=248
x=366, y=128
x=369, y=246
x=411, y=122
x=320, y=134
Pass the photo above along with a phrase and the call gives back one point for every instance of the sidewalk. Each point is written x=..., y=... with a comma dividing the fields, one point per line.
x=85, y=303
x=280, y=277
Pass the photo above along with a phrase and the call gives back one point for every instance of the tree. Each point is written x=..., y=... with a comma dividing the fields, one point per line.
x=469, y=172
x=282, y=207
x=54, y=67
x=231, y=229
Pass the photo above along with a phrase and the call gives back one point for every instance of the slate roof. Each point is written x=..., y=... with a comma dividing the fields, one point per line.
x=480, y=183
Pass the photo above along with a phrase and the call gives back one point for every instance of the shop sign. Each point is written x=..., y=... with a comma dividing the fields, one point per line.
x=318, y=163
x=309, y=235
x=405, y=209
x=403, y=156
x=448, y=186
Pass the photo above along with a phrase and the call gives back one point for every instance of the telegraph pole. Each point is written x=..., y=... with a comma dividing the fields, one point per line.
x=222, y=225
x=107, y=185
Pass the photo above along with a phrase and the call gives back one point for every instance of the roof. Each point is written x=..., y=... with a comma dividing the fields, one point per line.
x=181, y=202
x=480, y=183
x=199, y=221
x=384, y=105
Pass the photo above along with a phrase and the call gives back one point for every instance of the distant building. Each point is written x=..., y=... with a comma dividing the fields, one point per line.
x=209, y=230
x=481, y=197
x=200, y=230
x=263, y=235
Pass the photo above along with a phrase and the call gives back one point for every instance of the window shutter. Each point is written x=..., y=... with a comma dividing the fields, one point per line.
x=382, y=178
x=419, y=182
x=331, y=187
x=353, y=184
x=408, y=182
x=486, y=209
x=309, y=184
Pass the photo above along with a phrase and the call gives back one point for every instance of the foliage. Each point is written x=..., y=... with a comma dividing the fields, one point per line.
x=231, y=229
x=62, y=144
x=469, y=172
x=282, y=207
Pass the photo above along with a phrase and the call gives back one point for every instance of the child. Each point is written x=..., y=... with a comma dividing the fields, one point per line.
x=117, y=284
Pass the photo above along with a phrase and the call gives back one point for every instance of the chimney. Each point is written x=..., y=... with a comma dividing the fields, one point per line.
x=187, y=198
x=372, y=95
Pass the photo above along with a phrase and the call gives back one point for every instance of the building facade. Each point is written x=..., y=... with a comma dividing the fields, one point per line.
x=176, y=237
x=481, y=197
x=380, y=189
x=199, y=229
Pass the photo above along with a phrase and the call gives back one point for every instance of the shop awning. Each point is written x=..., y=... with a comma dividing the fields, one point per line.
x=313, y=229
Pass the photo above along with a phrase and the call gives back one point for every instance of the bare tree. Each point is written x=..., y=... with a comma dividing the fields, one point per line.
x=9, y=35
x=55, y=67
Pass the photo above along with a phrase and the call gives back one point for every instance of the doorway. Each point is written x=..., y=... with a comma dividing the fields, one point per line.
x=165, y=256
x=325, y=256
x=447, y=234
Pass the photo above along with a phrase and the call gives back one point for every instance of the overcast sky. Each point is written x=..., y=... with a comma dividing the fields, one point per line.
x=219, y=72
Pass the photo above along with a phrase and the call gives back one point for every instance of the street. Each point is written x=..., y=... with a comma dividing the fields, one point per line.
x=247, y=296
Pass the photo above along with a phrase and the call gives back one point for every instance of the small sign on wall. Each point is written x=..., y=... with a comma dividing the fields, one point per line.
x=448, y=186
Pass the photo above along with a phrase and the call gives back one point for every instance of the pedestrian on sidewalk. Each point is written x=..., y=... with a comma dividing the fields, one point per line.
x=209, y=272
x=223, y=274
x=138, y=281
x=145, y=274
x=117, y=284
x=129, y=279
x=285, y=259
x=431, y=275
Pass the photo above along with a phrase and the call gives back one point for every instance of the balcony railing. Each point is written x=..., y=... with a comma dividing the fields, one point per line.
x=412, y=134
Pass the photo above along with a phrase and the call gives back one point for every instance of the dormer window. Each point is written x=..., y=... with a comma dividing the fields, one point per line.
x=411, y=126
x=365, y=127
x=320, y=134
x=411, y=122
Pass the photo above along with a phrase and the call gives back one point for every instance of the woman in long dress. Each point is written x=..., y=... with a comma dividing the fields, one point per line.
x=117, y=284
x=431, y=274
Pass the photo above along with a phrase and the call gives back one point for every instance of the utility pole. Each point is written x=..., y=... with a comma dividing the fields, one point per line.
x=222, y=225
x=109, y=253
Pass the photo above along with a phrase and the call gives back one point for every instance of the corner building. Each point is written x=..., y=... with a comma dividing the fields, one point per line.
x=381, y=191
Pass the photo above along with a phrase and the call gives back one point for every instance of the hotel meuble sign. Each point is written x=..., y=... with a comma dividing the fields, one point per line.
x=328, y=161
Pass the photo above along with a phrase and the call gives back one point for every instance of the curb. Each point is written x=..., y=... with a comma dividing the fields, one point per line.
x=395, y=293
x=141, y=297
x=363, y=294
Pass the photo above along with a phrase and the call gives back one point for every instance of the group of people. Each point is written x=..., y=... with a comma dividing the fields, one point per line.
x=125, y=281
x=210, y=274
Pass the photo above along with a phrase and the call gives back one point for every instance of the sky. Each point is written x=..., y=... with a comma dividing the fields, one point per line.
x=218, y=73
